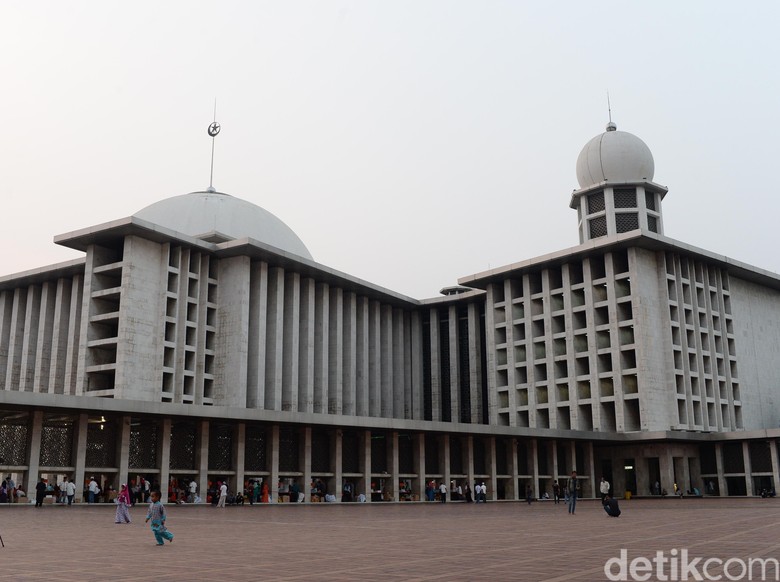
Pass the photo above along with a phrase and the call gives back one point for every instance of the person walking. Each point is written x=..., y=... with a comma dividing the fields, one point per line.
x=122, y=505
x=604, y=489
x=572, y=489
x=223, y=491
x=442, y=492
x=528, y=494
x=70, y=489
x=93, y=489
x=556, y=492
x=40, y=492
x=158, y=516
x=193, y=491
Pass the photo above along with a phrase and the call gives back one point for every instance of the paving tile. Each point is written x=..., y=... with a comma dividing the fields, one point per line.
x=394, y=542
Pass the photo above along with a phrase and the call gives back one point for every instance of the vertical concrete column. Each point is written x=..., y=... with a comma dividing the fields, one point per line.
x=454, y=386
x=124, y=450
x=416, y=365
x=349, y=355
x=202, y=458
x=30, y=338
x=321, y=346
x=362, y=352
x=386, y=351
x=534, y=464
x=80, y=453
x=722, y=485
x=274, y=457
x=748, y=469
x=436, y=387
x=409, y=388
x=418, y=443
x=398, y=363
x=666, y=465
x=512, y=493
x=306, y=348
x=337, y=462
x=34, y=453
x=45, y=355
x=492, y=468
x=470, y=461
x=392, y=452
x=165, y=458
x=365, y=464
x=556, y=470
x=307, y=478
x=444, y=465
x=775, y=463
x=274, y=345
x=374, y=361
x=291, y=341
x=239, y=454
x=475, y=366
x=258, y=327
x=490, y=359
x=590, y=467
x=73, y=336
x=335, y=355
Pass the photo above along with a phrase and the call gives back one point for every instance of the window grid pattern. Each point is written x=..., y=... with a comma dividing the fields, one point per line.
x=598, y=226
x=189, y=330
x=143, y=444
x=596, y=203
x=101, y=443
x=563, y=361
x=703, y=346
x=57, y=442
x=13, y=439
x=255, y=453
x=652, y=224
x=183, y=444
x=625, y=198
x=626, y=221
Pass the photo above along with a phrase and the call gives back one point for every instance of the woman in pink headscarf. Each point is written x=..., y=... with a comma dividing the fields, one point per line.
x=122, y=505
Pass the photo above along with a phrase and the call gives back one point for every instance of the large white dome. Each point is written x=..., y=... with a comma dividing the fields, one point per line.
x=214, y=215
x=614, y=156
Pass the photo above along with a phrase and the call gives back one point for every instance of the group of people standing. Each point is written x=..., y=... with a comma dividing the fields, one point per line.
x=434, y=492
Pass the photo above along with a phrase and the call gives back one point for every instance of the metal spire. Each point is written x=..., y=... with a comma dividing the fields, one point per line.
x=213, y=131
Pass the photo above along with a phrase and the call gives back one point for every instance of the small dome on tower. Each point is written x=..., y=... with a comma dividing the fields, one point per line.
x=614, y=156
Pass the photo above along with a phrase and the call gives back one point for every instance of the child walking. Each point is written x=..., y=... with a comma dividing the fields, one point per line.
x=157, y=515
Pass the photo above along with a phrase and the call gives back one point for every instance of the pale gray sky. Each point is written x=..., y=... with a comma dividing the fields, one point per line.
x=408, y=143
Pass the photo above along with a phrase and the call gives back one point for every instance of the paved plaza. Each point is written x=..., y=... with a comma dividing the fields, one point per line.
x=382, y=542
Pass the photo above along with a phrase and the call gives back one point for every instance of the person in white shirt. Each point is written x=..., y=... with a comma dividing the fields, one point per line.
x=223, y=490
x=604, y=489
x=63, y=493
x=70, y=490
x=443, y=492
x=193, y=491
x=93, y=489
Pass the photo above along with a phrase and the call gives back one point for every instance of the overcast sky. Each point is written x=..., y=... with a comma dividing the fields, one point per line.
x=406, y=143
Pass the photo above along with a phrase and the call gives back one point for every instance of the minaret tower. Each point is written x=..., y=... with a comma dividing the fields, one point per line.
x=617, y=193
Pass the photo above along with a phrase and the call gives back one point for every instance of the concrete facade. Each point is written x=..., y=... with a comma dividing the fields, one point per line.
x=207, y=355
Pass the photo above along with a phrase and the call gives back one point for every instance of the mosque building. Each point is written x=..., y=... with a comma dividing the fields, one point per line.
x=199, y=339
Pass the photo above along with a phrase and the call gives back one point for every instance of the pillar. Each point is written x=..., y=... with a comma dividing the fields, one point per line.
x=307, y=478
x=419, y=465
x=365, y=465
x=34, y=456
x=165, y=458
x=775, y=463
x=81, y=456
x=392, y=451
x=274, y=469
x=534, y=464
x=590, y=466
x=336, y=460
x=202, y=459
x=722, y=486
x=492, y=469
x=748, y=469
x=124, y=451
x=470, y=461
x=444, y=456
x=239, y=451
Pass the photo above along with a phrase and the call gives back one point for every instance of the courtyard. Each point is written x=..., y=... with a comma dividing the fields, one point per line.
x=389, y=542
